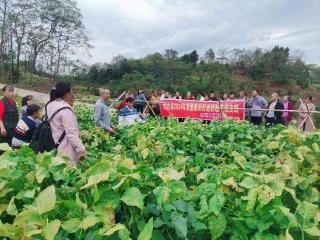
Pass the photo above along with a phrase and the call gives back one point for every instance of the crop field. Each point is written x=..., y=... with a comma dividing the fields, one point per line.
x=164, y=180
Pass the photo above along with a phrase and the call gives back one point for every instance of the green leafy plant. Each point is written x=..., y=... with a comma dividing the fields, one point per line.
x=164, y=180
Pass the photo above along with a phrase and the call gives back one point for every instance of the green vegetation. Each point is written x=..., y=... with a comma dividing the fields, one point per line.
x=191, y=72
x=164, y=180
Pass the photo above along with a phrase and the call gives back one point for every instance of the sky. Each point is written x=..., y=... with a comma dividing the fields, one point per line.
x=136, y=28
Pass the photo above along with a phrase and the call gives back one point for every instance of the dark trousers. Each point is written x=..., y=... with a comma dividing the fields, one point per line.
x=140, y=108
x=256, y=120
x=8, y=138
x=270, y=122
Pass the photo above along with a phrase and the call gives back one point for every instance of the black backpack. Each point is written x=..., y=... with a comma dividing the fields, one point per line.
x=42, y=140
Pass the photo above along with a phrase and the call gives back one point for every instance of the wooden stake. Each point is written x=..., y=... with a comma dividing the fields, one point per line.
x=149, y=107
x=117, y=99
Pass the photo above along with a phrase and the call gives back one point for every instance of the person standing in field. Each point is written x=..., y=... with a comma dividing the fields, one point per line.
x=274, y=117
x=213, y=97
x=102, y=116
x=177, y=96
x=257, y=102
x=232, y=96
x=140, y=101
x=243, y=96
x=288, y=105
x=206, y=98
x=9, y=115
x=63, y=123
x=167, y=95
x=162, y=94
x=26, y=101
x=304, y=122
x=224, y=97
x=189, y=96
x=154, y=103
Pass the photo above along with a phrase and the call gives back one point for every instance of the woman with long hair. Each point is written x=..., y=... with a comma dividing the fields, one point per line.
x=64, y=122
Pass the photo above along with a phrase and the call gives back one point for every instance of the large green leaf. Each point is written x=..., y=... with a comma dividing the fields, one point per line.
x=52, y=228
x=168, y=174
x=11, y=208
x=162, y=194
x=133, y=197
x=80, y=203
x=273, y=145
x=89, y=222
x=124, y=234
x=308, y=210
x=71, y=225
x=314, y=231
x=249, y=182
x=265, y=194
x=252, y=197
x=204, y=208
x=46, y=200
x=216, y=203
x=95, y=179
x=111, y=230
x=146, y=233
x=217, y=226
x=180, y=225
x=41, y=173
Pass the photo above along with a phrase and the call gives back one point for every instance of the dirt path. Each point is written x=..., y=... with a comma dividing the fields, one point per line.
x=39, y=97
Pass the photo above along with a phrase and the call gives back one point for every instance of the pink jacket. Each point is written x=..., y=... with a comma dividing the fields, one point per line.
x=65, y=120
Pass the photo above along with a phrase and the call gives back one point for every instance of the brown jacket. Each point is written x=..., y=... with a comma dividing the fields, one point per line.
x=307, y=126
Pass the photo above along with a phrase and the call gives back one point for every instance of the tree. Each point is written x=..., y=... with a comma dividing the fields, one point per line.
x=301, y=73
x=209, y=56
x=192, y=57
x=55, y=21
x=170, y=54
x=4, y=6
x=314, y=71
x=19, y=21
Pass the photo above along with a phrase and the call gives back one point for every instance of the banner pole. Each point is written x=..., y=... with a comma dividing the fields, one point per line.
x=117, y=99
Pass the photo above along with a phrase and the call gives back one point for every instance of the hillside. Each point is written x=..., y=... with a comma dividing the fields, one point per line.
x=44, y=84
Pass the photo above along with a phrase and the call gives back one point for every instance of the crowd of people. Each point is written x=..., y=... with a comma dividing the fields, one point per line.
x=64, y=130
x=258, y=109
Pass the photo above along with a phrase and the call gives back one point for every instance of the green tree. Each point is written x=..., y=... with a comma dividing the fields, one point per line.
x=192, y=57
x=170, y=54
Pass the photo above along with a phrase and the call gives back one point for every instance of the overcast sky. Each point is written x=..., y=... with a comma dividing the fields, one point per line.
x=135, y=28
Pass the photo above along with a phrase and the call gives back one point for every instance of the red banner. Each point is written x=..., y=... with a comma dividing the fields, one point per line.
x=204, y=110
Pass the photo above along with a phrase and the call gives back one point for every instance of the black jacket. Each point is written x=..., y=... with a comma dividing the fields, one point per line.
x=278, y=115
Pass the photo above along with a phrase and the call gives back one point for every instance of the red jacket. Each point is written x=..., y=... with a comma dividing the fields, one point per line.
x=2, y=107
x=190, y=98
x=290, y=107
x=121, y=105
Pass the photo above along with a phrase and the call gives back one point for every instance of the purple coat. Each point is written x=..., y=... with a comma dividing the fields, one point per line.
x=65, y=120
